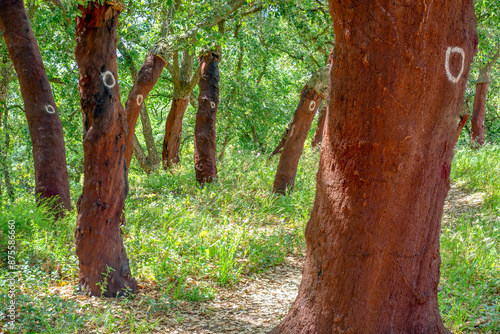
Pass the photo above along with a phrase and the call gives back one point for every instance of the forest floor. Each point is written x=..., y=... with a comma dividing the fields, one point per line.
x=255, y=304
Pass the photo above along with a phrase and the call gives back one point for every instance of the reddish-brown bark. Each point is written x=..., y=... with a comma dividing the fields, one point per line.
x=318, y=134
x=173, y=131
x=184, y=82
x=372, y=259
x=294, y=144
x=478, y=134
x=49, y=154
x=147, y=78
x=99, y=243
x=204, y=131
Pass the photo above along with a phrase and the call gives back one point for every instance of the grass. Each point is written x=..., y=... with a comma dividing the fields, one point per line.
x=470, y=248
x=189, y=241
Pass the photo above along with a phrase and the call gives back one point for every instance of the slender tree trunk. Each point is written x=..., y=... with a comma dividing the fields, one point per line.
x=6, y=72
x=173, y=132
x=204, y=131
x=49, y=154
x=294, y=144
x=478, y=135
x=311, y=97
x=104, y=266
x=146, y=79
x=464, y=117
x=318, y=134
x=230, y=99
x=372, y=260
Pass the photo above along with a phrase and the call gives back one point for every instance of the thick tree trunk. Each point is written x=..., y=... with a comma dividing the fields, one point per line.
x=204, y=131
x=478, y=135
x=104, y=267
x=49, y=154
x=318, y=134
x=372, y=260
x=146, y=79
x=311, y=97
x=173, y=132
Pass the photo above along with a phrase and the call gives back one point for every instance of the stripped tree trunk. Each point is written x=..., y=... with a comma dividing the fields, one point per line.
x=146, y=79
x=372, y=260
x=478, y=135
x=204, y=131
x=184, y=83
x=49, y=154
x=311, y=97
x=104, y=266
x=464, y=117
x=173, y=132
x=318, y=134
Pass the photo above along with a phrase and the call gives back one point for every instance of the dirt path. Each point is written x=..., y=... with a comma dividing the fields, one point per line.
x=256, y=304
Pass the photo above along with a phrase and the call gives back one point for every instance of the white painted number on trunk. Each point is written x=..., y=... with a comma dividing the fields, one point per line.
x=140, y=99
x=108, y=79
x=50, y=109
x=449, y=52
x=312, y=105
x=212, y=104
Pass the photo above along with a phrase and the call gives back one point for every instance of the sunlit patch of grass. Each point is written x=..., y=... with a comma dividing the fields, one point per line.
x=479, y=170
x=470, y=247
x=177, y=229
x=470, y=275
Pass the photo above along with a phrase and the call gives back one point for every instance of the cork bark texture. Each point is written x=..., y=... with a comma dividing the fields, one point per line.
x=397, y=81
x=49, y=153
x=204, y=131
x=99, y=243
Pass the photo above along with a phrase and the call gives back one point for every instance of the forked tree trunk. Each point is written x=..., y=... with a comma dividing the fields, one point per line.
x=49, y=153
x=318, y=134
x=184, y=83
x=311, y=97
x=372, y=260
x=104, y=266
x=478, y=135
x=204, y=131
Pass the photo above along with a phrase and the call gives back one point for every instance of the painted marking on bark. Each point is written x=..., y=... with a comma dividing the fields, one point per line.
x=140, y=99
x=50, y=109
x=105, y=76
x=312, y=105
x=212, y=104
x=449, y=51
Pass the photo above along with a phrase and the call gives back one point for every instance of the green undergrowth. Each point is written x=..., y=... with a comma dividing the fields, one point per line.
x=184, y=239
x=176, y=229
x=187, y=241
x=470, y=247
